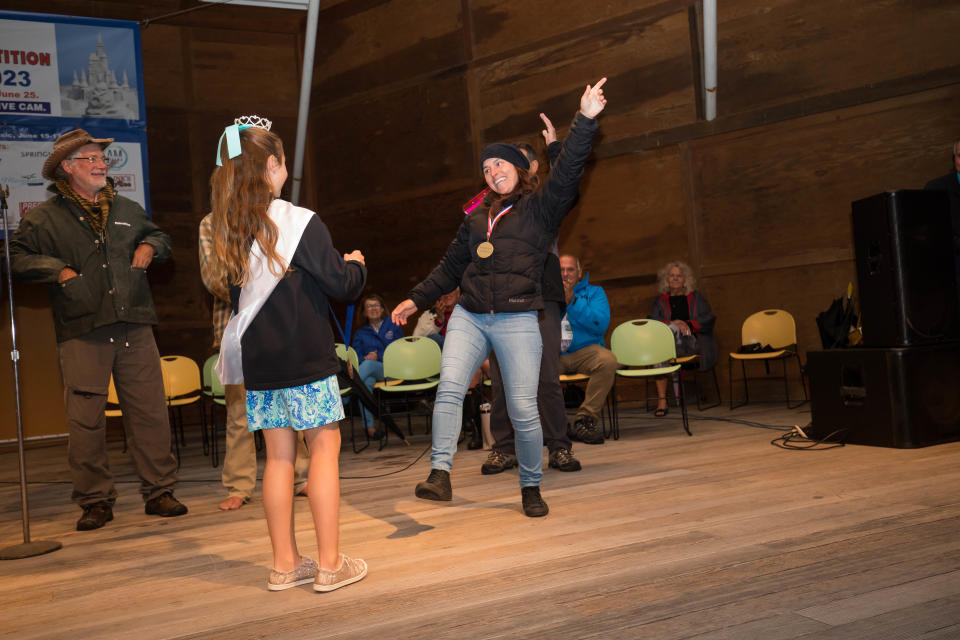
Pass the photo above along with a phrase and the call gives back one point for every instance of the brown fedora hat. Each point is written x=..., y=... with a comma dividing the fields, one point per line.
x=67, y=144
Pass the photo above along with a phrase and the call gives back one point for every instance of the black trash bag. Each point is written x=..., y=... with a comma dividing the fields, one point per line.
x=834, y=323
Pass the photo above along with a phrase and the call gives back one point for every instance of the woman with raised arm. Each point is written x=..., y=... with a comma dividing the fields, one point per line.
x=281, y=268
x=497, y=261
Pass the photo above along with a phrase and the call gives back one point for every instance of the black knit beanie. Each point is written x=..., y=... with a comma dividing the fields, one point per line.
x=509, y=152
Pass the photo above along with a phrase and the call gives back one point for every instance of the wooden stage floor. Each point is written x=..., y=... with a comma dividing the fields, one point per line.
x=661, y=536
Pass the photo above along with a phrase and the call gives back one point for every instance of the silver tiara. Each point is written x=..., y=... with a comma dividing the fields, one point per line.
x=253, y=121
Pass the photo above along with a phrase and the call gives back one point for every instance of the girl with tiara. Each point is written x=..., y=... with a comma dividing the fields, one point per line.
x=281, y=268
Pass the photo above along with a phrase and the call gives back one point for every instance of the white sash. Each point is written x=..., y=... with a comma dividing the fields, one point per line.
x=291, y=221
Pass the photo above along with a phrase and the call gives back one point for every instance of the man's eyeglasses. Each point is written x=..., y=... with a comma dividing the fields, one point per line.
x=94, y=160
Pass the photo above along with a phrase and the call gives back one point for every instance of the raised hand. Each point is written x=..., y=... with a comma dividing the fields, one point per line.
x=592, y=101
x=403, y=311
x=550, y=133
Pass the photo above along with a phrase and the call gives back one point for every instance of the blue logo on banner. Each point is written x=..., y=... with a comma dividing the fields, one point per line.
x=9, y=106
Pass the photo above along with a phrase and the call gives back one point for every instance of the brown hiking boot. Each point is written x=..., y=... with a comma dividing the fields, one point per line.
x=533, y=504
x=564, y=460
x=498, y=462
x=436, y=486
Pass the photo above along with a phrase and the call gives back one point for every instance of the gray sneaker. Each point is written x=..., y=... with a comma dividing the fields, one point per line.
x=280, y=580
x=498, y=462
x=351, y=570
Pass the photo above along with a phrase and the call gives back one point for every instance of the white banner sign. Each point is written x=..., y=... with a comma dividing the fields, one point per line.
x=66, y=70
x=29, y=76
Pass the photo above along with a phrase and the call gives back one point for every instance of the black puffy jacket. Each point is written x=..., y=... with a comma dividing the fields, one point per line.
x=510, y=279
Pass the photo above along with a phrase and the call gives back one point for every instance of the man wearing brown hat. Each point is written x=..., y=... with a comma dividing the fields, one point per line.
x=91, y=247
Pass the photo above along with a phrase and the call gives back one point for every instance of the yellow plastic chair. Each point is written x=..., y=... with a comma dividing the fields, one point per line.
x=411, y=365
x=774, y=328
x=113, y=409
x=113, y=402
x=647, y=344
x=182, y=386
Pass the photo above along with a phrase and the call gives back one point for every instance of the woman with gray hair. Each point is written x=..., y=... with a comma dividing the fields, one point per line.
x=689, y=316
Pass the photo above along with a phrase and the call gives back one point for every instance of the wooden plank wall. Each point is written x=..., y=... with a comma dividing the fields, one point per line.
x=821, y=102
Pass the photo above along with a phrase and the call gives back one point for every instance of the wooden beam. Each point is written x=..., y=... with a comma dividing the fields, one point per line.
x=804, y=107
x=696, y=54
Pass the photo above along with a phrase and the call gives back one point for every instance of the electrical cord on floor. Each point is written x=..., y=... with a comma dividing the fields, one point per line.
x=748, y=423
x=390, y=473
x=798, y=440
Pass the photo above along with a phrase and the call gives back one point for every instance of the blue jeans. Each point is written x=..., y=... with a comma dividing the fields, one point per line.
x=515, y=338
x=370, y=372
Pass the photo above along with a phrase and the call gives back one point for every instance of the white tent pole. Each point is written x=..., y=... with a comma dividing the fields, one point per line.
x=306, y=85
x=710, y=58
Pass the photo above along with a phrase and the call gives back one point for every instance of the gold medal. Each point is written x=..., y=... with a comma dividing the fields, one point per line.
x=485, y=249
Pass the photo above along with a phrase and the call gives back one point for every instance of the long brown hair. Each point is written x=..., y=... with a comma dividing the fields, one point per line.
x=526, y=183
x=240, y=195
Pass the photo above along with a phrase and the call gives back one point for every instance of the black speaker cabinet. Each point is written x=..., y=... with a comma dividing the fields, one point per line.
x=903, y=397
x=905, y=268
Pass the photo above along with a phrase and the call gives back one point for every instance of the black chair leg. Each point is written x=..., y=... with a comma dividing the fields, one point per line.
x=353, y=436
x=615, y=409
x=683, y=408
x=214, y=449
x=803, y=385
x=176, y=444
x=716, y=383
x=746, y=386
x=730, y=380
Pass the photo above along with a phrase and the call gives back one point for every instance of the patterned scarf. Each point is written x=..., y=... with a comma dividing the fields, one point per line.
x=98, y=211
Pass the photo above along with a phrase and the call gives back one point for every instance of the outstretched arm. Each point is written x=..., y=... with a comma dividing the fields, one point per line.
x=561, y=188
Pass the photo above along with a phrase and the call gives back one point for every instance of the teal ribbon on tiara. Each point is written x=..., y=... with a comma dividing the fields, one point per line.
x=232, y=134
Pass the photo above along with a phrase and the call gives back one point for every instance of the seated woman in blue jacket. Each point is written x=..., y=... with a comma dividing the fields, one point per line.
x=371, y=338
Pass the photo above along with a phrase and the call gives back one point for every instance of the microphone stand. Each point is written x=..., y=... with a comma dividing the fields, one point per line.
x=27, y=548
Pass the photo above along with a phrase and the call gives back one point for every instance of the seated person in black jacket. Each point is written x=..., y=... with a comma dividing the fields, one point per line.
x=690, y=317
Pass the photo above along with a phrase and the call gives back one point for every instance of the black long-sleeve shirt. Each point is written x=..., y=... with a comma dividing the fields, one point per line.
x=290, y=343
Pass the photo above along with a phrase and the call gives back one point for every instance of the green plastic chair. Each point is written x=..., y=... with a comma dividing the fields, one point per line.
x=350, y=355
x=214, y=395
x=410, y=365
x=648, y=344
